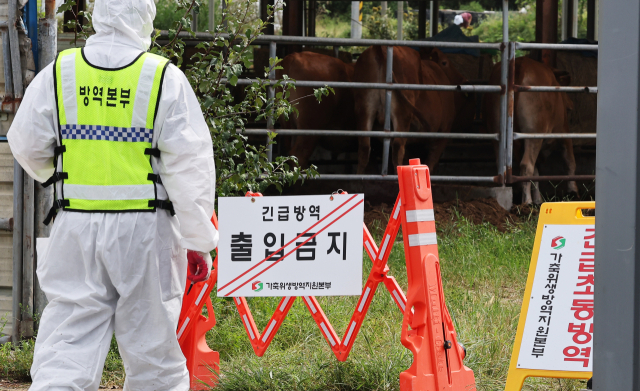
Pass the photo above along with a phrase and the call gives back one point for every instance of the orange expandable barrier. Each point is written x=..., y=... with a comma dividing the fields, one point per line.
x=427, y=328
x=202, y=362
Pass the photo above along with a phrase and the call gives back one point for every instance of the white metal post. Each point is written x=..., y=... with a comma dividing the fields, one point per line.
x=271, y=94
x=504, y=75
x=386, y=143
x=356, y=23
x=400, y=19
x=212, y=15
x=432, y=32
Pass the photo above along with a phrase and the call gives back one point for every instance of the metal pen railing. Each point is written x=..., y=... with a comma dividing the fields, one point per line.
x=512, y=88
x=507, y=89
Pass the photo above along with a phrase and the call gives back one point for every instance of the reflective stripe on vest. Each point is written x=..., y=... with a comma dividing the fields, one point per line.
x=106, y=119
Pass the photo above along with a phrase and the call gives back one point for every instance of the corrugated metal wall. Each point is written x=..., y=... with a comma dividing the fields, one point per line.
x=6, y=200
x=6, y=210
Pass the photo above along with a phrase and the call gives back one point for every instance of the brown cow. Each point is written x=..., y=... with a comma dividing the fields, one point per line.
x=430, y=111
x=535, y=112
x=334, y=112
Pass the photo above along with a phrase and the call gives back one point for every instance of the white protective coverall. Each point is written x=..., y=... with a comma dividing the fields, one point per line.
x=122, y=272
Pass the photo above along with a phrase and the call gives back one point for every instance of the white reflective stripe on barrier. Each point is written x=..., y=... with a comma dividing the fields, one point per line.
x=373, y=253
x=143, y=92
x=399, y=299
x=384, y=246
x=204, y=288
x=266, y=335
x=414, y=216
x=184, y=326
x=397, y=211
x=310, y=304
x=364, y=299
x=422, y=239
x=68, y=80
x=248, y=326
x=284, y=303
x=118, y=192
x=348, y=337
x=326, y=332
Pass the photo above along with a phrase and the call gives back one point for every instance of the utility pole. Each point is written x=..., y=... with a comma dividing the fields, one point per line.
x=616, y=343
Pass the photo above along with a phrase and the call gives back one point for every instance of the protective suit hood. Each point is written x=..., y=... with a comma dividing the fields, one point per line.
x=123, y=22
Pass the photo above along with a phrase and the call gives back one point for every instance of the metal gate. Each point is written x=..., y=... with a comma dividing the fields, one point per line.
x=506, y=89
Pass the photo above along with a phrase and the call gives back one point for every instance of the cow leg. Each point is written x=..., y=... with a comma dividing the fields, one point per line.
x=570, y=159
x=303, y=147
x=435, y=152
x=527, y=166
x=364, y=149
x=398, y=151
x=401, y=121
x=535, y=193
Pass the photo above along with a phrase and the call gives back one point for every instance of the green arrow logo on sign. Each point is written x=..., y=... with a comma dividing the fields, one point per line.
x=558, y=242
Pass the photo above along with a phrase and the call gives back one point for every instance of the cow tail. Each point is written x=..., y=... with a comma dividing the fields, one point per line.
x=382, y=58
x=404, y=100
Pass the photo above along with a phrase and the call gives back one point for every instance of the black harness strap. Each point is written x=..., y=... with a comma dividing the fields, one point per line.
x=58, y=204
x=152, y=151
x=57, y=176
x=154, y=178
x=57, y=151
x=162, y=204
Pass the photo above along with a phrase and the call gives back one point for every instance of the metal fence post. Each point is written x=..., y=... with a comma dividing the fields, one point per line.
x=387, y=112
x=511, y=99
x=8, y=78
x=18, y=175
x=271, y=94
x=212, y=16
x=16, y=66
x=194, y=20
x=504, y=69
x=28, y=261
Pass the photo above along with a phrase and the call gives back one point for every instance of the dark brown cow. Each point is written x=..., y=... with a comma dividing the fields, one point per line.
x=335, y=112
x=535, y=112
x=427, y=111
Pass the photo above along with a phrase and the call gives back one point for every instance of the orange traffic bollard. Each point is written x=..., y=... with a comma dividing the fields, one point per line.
x=427, y=328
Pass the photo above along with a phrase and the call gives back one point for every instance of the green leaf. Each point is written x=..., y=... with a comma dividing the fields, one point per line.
x=204, y=86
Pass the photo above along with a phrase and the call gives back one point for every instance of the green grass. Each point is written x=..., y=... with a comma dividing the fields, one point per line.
x=484, y=273
x=333, y=27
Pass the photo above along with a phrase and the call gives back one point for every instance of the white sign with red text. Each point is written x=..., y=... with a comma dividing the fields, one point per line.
x=558, y=334
x=290, y=245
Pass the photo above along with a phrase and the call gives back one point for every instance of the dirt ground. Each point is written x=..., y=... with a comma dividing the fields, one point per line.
x=477, y=211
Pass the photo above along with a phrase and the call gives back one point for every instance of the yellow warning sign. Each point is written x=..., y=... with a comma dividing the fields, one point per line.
x=555, y=331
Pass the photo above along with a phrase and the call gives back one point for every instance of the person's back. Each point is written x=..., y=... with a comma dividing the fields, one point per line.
x=117, y=258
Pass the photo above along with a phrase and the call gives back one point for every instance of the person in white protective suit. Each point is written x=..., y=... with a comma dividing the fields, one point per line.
x=118, y=272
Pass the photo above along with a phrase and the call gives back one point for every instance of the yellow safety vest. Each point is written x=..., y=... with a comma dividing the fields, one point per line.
x=105, y=128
